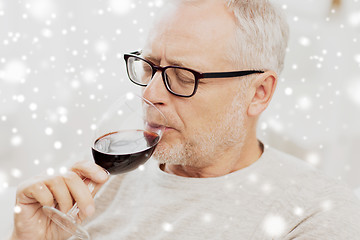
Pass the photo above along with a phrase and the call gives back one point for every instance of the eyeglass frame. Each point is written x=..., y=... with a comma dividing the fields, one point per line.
x=197, y=75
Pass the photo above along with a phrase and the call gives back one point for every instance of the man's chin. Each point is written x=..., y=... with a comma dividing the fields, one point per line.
x=178, y=156
x=164, y=153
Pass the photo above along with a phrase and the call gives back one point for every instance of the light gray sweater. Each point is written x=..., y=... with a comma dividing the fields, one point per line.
x=277, y=197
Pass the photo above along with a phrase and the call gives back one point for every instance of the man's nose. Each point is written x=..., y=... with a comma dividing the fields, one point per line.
x=156, y=91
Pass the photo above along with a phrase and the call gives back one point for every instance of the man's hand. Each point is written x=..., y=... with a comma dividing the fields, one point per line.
x=62, y=191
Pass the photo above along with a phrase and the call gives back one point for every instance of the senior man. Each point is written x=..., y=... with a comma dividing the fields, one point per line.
x=211, y=67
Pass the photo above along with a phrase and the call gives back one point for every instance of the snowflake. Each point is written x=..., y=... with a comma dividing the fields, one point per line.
x=120, y=7
x=326, y=205
x=16, y=140
x=16, y=173
x=32, y=106
x=3, y=181
x=17, y=209
x=298, y=211
x=207, y=217
x=274, y=225
x=288, y=91
x=276, y=125
x=89, y=75
x=357, y=58
x=14, y=71
x=49, y=131
x=167, y=227
x=304, y=103
x=101, y=47
x=41, y=9
x=253, y=178
x=263, y=126
x=50, y=171
x=159, y=3
x=141, y=167
x=57, y=145
x=353, y=91
x=304, y=41
x=354, y=19
x=47, y=33
x=266, y=187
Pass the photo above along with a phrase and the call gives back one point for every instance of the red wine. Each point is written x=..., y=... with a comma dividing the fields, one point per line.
x=123, y=151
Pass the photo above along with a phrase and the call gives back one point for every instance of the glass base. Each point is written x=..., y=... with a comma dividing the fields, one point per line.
x=66, y=222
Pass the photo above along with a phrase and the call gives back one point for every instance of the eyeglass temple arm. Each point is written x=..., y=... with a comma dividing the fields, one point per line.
x=229, y=74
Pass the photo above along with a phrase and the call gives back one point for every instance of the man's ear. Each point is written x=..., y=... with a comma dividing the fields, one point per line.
x=264, y=86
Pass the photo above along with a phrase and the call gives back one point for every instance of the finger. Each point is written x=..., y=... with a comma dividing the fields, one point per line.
x=60, y=192
x=80, y=192
x=91, y=171
x=37, y=192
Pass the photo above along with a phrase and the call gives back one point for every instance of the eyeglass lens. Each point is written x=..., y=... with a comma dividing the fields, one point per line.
x=179, y=81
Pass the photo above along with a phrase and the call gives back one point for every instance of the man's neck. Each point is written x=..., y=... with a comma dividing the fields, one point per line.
x=225, y=164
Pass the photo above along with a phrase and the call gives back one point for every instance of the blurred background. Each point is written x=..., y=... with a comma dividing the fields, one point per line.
x=61, y=65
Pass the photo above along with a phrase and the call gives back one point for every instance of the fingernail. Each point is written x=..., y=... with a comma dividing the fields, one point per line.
x=90, y=210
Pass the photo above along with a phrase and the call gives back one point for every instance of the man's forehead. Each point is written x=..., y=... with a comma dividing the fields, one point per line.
x=173, y=57
x=191, y=30
x=198, y=18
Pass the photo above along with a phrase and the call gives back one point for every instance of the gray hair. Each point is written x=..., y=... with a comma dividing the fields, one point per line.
x=262, y=35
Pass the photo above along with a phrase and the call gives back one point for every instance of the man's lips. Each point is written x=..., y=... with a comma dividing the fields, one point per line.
x=160, y=126
x=169, y=128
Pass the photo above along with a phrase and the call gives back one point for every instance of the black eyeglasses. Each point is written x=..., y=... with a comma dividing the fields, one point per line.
x=180, y=81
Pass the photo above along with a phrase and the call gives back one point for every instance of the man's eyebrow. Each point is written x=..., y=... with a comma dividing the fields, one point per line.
x=172, y=62
x=150, y=58
x=177, y=63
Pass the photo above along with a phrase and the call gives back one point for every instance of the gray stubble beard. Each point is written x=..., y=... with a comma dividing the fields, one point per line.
x=201, y=150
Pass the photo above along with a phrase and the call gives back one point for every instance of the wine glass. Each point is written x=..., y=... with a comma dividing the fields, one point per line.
x=125, y=138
